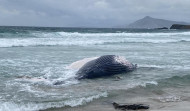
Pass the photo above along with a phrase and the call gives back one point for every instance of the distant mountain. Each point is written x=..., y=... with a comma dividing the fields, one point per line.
x=151, y=23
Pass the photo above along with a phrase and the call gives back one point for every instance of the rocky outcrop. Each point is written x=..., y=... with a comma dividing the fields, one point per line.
x=130, y=107
x=179, y=26
x=162, y=28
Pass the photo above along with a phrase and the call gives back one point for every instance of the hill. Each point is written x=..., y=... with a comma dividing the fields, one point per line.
x=151, y=23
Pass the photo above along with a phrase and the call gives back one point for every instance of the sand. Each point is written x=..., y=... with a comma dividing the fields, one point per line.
x=156, y=99
x=179, y=106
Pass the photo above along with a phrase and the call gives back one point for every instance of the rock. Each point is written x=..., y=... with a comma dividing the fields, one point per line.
x=117, y=78
x=180, y=26
x=130, y=107
x=162, y=28
x=58, y=83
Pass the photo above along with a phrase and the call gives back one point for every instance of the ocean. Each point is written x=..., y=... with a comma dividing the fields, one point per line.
x=32, y=59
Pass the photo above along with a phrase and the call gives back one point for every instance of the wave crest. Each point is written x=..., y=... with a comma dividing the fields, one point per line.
x=84, y=39
x=9, y=106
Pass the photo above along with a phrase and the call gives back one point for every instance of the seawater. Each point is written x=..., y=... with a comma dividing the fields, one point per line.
x=32, y=59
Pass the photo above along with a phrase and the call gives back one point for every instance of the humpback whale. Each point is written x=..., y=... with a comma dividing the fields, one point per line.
x=106, y=65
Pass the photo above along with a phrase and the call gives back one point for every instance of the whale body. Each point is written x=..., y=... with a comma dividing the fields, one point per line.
x=106, y=65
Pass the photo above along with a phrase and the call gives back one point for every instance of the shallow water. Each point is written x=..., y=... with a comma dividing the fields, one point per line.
x=32, y=52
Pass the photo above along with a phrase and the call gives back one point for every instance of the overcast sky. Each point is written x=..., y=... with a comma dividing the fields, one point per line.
x=89, y=13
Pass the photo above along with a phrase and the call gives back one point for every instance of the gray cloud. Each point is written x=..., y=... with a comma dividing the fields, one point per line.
x=89, y=13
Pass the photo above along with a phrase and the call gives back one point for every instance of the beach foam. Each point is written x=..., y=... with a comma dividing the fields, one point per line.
x=9, y=106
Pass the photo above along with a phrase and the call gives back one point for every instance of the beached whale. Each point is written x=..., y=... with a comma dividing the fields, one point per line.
x=106, y=65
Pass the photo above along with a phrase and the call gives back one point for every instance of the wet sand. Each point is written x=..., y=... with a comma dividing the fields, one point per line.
x=167, y=99
x=180, y=106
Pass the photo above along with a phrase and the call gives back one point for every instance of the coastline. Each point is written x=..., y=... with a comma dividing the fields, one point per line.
x=161, y=81
x=138, y=96
x=166, y=107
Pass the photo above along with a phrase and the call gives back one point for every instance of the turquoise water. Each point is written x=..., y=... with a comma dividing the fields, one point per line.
x=33, y=58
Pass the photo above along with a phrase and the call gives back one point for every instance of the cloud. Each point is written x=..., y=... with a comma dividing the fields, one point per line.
x=89, y=13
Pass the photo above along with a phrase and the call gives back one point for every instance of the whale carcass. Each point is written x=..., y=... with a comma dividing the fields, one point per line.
x=106, y=65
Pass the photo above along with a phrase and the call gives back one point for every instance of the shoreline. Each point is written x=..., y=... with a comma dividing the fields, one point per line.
x=138, y=96
x=179, y=106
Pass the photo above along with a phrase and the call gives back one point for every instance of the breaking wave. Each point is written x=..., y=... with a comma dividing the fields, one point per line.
x=9, y=106
x=84, y=39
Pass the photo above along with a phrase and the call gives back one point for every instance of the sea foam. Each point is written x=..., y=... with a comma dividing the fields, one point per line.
x=9, y=106
x=86, y=39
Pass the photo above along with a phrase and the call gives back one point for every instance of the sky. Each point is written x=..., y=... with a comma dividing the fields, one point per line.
x=89, y=13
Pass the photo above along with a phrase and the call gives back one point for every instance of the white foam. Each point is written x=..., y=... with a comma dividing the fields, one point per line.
x=170, y=99
x=122, y=60
x=142, y=83
x=84, y=39
x=68, y=77
x=33, y=79
x=51, y=75
x=60, y=73
x=123, y=34
x=85, y=100
x=151, y=66
x=9, y=106
x=149, y=82
x=175, y=67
